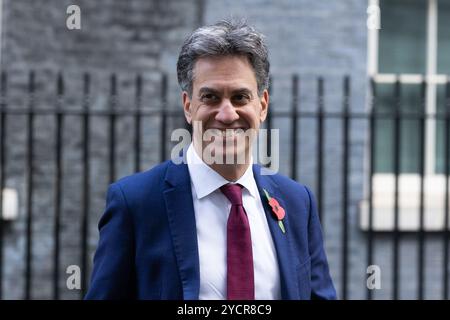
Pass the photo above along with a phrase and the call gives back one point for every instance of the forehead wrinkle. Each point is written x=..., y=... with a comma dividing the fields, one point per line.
x=223, y=68
x=232, y=90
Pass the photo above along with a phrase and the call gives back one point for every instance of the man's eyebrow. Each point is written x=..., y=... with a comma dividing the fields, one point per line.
x=242, y=90
x=235, y=91
x=207, y=90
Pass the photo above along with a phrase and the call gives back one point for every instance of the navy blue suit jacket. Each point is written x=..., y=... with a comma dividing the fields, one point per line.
x=148, y=242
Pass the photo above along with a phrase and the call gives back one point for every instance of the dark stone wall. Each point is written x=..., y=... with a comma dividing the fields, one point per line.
x=120, y=37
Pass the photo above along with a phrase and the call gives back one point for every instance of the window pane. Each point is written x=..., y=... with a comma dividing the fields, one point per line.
x=384, y=129
x=444, y=36
x=411, y=101
x=402, y=37
x=440, y=130
x=410, y=129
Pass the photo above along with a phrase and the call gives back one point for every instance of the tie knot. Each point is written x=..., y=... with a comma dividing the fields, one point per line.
x=233, y=192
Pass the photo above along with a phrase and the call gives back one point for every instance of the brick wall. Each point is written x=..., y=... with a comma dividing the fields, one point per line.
x=311, y=38
x=122, y=37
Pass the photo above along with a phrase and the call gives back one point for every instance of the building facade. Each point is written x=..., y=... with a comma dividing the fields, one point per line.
x=320, y=42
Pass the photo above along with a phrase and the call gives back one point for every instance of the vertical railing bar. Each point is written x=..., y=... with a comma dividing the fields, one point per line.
x=163, y=128
x=397, y=154
x=421, y=247
x=345, y=173
x=58, y=183
x=295, y=126
x=112, y=129
x=85, y=183
x=447, y=189
x=320, y=145
x=270, y=123
x=29, y=179
x=372, y=137
x=3, y=92
x=137, y=125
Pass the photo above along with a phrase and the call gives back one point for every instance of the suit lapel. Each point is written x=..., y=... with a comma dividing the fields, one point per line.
x=180, y=211
x=285, y=254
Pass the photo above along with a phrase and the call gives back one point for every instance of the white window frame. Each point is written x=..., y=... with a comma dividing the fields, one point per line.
x=409, y=184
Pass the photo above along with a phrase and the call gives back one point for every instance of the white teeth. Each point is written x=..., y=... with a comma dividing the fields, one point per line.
x=227, y=133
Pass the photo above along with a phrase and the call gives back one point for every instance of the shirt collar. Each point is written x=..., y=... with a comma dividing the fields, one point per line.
x=206, y=180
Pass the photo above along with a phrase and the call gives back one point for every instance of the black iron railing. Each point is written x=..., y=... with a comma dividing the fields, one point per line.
x=320, y=115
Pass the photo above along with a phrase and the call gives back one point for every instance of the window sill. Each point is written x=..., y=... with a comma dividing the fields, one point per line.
x=408, y=203
x=10, y=205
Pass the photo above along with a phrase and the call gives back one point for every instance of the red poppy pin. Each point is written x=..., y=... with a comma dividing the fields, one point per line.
x=277, y=210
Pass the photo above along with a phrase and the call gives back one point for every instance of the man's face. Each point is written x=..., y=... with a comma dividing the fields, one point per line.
x=225, y=98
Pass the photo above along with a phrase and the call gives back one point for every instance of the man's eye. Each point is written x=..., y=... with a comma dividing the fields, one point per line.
x=209, y=97
x=241, y=98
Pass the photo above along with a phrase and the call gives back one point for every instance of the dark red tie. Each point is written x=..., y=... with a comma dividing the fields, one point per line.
x=240, y=278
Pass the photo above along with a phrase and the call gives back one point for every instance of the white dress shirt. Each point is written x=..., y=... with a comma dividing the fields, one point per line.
x=211, y=214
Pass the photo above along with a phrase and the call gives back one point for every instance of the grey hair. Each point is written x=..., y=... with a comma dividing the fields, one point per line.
x=222, y=39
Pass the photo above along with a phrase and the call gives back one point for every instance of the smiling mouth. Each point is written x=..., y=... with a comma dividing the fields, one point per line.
x=227, y=133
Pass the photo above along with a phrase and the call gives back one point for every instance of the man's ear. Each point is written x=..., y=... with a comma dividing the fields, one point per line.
x=264, y=105
x=186, y=106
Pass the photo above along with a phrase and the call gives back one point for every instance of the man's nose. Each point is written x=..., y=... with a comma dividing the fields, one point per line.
x=227, y=112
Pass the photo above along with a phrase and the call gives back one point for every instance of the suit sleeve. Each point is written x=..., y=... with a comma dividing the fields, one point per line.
x=321, y=284
x=113, y=276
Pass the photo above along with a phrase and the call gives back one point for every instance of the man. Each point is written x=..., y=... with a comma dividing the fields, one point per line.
x=214, y=228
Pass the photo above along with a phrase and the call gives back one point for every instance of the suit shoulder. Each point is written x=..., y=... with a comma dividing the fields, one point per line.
x=286, y=183
x=146, y=180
